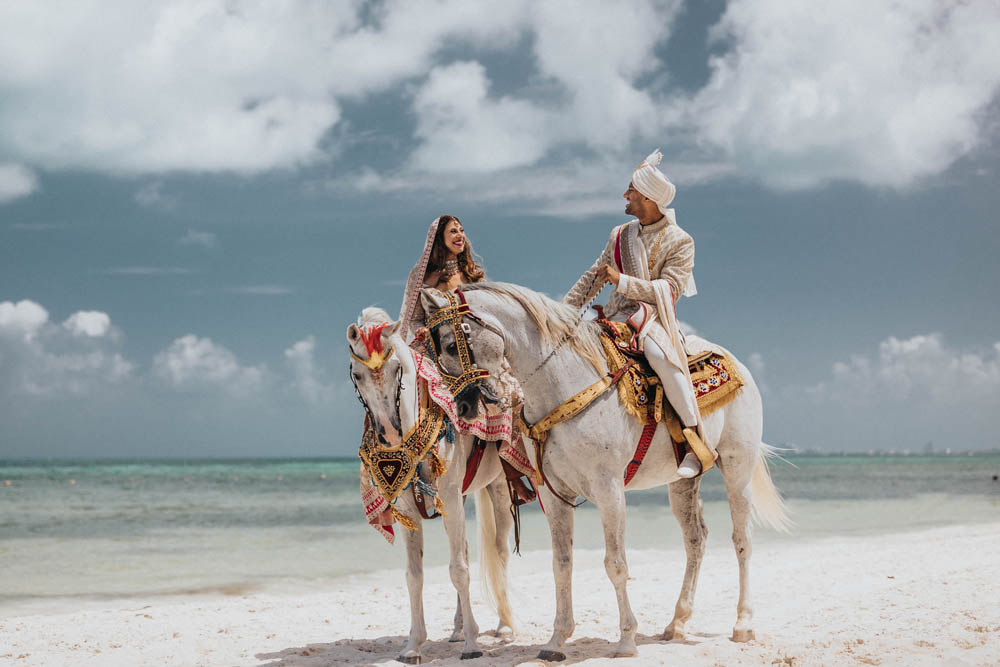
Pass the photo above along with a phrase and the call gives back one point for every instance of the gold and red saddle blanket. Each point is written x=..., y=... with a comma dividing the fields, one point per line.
x=714, y=376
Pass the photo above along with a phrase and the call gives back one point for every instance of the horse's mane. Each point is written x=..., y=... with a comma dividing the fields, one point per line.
x=554, y=320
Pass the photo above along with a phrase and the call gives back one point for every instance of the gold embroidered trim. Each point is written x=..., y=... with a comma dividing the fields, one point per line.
x=654, y=252
x=392, y=469
x=404, y=520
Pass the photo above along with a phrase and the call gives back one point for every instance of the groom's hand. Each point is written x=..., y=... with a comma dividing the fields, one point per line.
x=609, y=274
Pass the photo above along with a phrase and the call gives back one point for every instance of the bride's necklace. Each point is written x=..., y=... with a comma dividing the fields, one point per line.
x=450, y=269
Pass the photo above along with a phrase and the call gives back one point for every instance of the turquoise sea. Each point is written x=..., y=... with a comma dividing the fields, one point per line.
x=77, y=533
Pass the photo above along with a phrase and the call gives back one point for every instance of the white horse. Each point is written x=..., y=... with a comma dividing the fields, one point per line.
x=489, y=485
x=587, y=455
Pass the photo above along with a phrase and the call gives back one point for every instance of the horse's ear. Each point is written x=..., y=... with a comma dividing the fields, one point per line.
x=391, y=330
x=353, y=335
x=432, y=300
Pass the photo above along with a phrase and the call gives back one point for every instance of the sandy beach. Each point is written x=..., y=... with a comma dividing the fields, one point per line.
x=915, y=598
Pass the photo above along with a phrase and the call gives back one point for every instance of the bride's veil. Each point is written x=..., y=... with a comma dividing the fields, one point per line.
x=411, y=297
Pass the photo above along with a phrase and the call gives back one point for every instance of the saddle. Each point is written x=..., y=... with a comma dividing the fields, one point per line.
x=714, y=378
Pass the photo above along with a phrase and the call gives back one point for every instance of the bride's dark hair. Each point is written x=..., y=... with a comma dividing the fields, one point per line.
x=472, y=271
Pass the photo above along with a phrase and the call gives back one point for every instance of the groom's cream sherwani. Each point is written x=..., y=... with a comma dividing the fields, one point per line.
x=655, y=262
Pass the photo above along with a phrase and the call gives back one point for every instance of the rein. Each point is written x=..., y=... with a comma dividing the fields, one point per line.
x=568, y=335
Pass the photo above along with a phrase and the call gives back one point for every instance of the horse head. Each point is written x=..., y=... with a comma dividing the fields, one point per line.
x=382, y=372
x=469, y=350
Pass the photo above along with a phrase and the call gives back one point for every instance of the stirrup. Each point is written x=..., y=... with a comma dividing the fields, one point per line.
x=699, y=449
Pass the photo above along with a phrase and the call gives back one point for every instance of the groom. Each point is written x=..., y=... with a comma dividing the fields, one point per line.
x=649, y=260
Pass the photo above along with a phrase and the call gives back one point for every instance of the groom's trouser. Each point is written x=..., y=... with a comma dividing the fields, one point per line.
x=676, y=386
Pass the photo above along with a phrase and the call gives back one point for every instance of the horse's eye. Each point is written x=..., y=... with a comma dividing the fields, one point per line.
x=452, y=348
x=357, y=377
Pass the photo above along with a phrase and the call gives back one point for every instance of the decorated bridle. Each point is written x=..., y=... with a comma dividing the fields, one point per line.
x=375, y=363
x=453, y=314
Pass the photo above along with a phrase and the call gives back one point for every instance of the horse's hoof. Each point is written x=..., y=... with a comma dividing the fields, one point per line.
x=626, y=652
x=742, y=636
x=409, y=659
x=551, y=656
x=471, y=655
x=456, y=637
x=670, y=634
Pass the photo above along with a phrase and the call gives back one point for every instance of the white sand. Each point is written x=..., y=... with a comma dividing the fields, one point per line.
x=923, y=598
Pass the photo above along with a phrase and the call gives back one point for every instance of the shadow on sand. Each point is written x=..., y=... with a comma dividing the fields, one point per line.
x=384, y=650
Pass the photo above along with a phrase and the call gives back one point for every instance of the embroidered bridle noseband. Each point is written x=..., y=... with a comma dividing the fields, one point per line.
x=453, y=315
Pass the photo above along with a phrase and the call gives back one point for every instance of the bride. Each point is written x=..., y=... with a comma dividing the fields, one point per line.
x=446, y=264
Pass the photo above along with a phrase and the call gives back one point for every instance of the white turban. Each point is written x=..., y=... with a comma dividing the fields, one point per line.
x=651, y=182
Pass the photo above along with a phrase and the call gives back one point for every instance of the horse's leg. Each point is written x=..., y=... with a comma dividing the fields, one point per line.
x=560, y=518
x=454, y=525
x=414, y=540
x=456, y=634
x=504, y=521
x=612, y=506
x=736, y=465
x=686, y=506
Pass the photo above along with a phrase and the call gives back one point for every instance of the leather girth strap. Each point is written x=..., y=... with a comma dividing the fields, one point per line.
x=421, y=501
x=565, y=411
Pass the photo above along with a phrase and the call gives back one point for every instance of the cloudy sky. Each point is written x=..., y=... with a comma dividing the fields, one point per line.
x=197, y=198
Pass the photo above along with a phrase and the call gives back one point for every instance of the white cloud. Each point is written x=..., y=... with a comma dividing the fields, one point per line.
x=16, y=181
x=24, y=317
x=461, y=130
x=573, y=189
x=883, y=93
x=596, y=51
x=277, y=76
x=193, y=362
x=92, y=323
x=308, y=380
x=158, y=86
x=40, y=358
x=913, y=390
x=590, y=72
x=195, y=237
x=918, y=370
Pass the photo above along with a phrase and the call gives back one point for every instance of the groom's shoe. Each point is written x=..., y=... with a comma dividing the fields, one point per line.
x=690, y=466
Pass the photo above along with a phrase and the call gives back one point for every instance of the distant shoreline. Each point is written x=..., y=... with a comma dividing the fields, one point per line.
x=257, y=460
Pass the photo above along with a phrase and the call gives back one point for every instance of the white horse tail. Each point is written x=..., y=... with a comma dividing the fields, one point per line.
x=492, y=571
x=766, y=502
